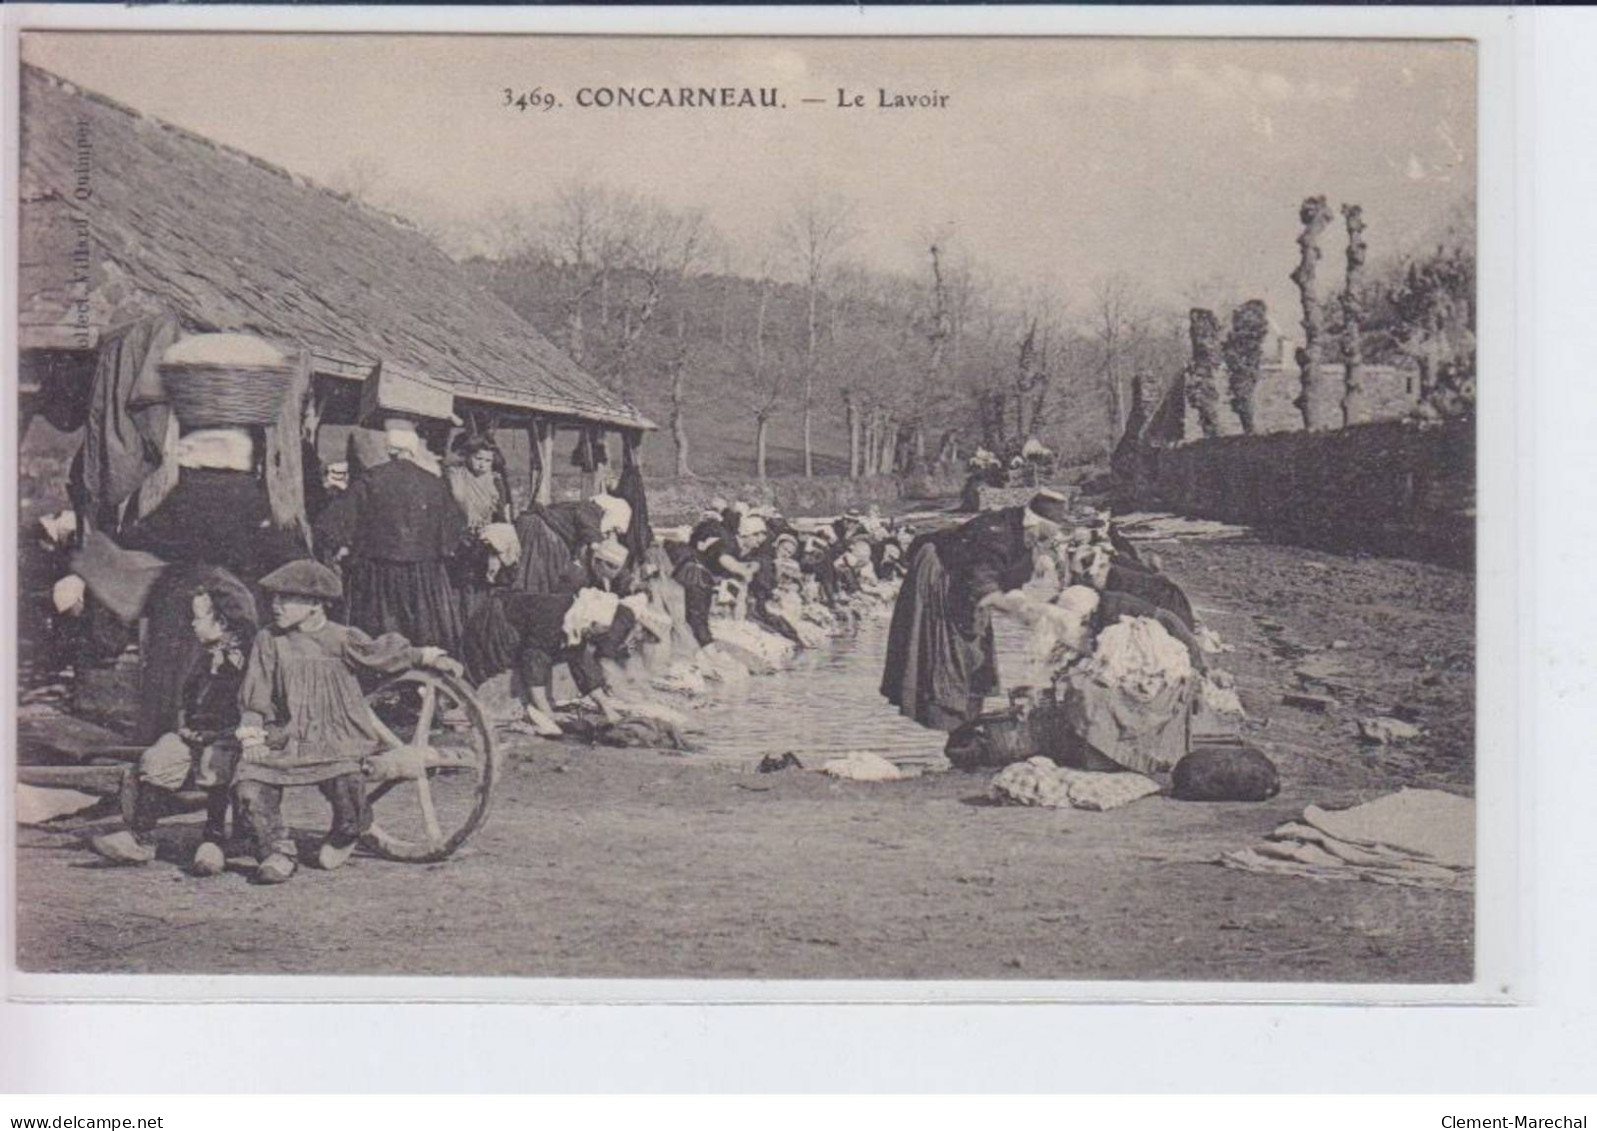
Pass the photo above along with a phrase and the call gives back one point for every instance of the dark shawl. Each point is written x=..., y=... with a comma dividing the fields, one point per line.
x=1155, y=588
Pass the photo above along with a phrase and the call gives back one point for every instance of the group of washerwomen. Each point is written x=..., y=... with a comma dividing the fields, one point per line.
x=428, y=566
x=941, y=665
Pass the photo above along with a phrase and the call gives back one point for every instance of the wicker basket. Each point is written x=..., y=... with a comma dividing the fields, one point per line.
x=211, y=396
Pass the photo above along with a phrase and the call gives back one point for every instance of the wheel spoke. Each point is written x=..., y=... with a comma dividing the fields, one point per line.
x=429, y=815
x=424, y=721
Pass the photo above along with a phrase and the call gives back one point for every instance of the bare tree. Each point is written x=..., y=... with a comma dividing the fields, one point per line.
x=817, y=228
x=1203, y=385
x=1244, y=352
x=1120, y=318
x=1353, y=313
x=586, y=238
x=660, y=248
x=1313, y=402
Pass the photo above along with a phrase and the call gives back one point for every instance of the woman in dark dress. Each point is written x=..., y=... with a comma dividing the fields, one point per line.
x=214, y=527
x=940, y=651
x=401, y=526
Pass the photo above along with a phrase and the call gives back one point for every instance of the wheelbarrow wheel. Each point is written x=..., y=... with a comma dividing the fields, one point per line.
x=430, y=789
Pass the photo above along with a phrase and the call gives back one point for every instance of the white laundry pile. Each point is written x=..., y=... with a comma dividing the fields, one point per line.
x=862, y=765
x=1037, y=781
x=1136, y=655
x=760, y=643
x=1129, y=699
x=1217, y=693
x=35, y=806
x=1414, y=838
x=502, y=540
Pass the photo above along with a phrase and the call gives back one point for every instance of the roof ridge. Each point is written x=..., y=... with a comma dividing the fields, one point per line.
x=70, y=87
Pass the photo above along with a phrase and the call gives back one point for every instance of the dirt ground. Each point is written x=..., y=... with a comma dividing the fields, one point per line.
x=605, y=863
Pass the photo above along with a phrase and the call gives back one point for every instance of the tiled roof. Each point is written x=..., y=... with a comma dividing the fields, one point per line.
x=173, y=221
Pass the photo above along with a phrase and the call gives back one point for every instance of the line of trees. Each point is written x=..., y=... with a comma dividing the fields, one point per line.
x=789, y=336
x=906, y=371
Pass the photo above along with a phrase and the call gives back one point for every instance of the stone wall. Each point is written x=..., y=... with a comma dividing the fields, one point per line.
x=1391, y=487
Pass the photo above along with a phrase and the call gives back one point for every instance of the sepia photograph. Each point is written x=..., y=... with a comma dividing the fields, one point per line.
x=750, y=508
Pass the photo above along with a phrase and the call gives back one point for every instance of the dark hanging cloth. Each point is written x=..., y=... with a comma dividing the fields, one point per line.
x=310, y=462
x=639, y=536
x=590, y=451
x=401, y=525
x=940, y=652
x=127, y=416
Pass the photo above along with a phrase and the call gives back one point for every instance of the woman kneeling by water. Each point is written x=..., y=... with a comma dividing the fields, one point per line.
x=536, y=632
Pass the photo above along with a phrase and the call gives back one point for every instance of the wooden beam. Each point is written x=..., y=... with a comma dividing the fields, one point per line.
x=543, y=439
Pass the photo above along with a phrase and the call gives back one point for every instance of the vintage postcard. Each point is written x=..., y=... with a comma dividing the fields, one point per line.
x=801, y=509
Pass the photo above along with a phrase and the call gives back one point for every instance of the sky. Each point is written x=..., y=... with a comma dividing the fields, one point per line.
x=1054, y=162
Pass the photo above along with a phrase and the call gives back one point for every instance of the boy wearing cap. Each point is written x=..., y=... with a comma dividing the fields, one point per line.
x=304, y=718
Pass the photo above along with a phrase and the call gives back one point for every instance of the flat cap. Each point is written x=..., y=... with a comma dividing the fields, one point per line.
x=304, y=578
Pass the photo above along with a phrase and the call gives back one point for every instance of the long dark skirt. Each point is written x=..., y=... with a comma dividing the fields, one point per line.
x=414, y=599
x=546, y=558
x=492, y=642
x=936, y=674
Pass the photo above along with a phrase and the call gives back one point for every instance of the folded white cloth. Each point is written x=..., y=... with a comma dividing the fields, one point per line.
x=501, y=537
x=68, y=593
x=862, y=765
x=221, y=449
x=1038, y=781
x=617, y=515
x=1411, y=838
x=592, y=608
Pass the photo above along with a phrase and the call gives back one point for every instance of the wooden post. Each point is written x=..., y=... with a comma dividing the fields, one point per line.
x=593, y=483
x=542, y=434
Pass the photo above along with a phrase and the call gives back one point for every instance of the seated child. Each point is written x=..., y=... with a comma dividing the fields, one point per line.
x=304, y=718
x=202, y=752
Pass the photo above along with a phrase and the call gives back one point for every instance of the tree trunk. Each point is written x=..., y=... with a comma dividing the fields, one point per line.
x=889, y=436
x=851, y=416
x=1203, y=388
x=761, y=427
x=809, y=378
x=574, y=331
x=679, y=431
x=1244, y=352
x=1353, y=315
x=1318, y=407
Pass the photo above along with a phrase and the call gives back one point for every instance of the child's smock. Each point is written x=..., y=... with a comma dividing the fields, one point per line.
x=301, y=688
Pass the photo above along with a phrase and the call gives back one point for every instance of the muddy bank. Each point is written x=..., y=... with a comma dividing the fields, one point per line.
x=624, y=864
